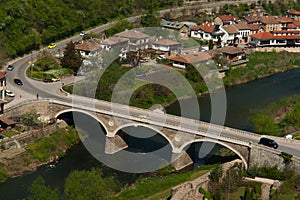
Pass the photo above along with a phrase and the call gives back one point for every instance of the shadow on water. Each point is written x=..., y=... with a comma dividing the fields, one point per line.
x=240, y=100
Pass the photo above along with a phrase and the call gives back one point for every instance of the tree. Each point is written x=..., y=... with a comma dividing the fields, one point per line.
x=38, y=190
x=88, y=185
x=192, y=74
x=30, y=119
x=72, y=58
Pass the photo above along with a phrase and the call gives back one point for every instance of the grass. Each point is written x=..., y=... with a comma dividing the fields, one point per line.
x=159, y=187
x=10, y=133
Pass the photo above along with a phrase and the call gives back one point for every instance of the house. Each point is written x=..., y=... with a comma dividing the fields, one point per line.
x=7, y=123
x=254, y=28
x=207, y=31
x=88, y=48
x=293, y=26
x=244, y=32
x=136, y=39
x=2, y=90
x=294, y=14
x=183, y=28
x=257, y=11
x=276, y=38
x=234, y=55
x=115, y=43
x=230, y=34
x=183, y=60
x=252, y=19
x=166, y=45
x=225, y=20
x=270, y=23
x=285, y=22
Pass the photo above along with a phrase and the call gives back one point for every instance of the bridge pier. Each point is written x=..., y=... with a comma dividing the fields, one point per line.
x=114, y=144
x=181, y=160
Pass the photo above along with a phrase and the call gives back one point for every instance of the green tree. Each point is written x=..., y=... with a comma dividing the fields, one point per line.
x=72, y=58
x=81, y=185
x=192, y=74
x=39, y=190
x=30, y=119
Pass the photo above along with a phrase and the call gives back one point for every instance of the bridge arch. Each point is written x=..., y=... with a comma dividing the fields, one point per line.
x=217, y=142
x=146, y=126
x=84, y=112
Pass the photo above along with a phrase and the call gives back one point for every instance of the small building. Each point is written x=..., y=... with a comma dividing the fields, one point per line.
x=231, y=53
x=184, y=28
x=270, y=23
x=207, y=31
x=294, y=14
x=7, y=123
x=166, y=45
x=285, y=38
x=136, y=40
x=115, y=43
x=88, y=48
x=225, y=20
x=183, y=60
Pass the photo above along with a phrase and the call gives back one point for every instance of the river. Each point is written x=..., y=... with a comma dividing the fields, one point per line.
x=241, y=99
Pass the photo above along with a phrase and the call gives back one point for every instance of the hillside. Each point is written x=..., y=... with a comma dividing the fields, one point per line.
x=25, y=25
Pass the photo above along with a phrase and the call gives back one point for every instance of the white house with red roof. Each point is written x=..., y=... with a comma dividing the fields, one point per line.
x=88, y=48
x=225, y=20
x=183, y=60
x=115, y=43
x=276, y=38
x=207, y=31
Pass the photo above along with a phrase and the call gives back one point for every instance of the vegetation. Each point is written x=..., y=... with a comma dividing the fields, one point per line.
x=45, y=148
x=120, y=26
x=25, y=27
x=30, y=119
x=287, y=158
x=39, y=190
x=262, y=64
x=289, y=189
x=72, y=58
x=266, y=172
x=279, y=118
x=3, y=174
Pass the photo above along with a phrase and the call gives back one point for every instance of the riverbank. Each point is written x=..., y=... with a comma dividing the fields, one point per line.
x=42, y=151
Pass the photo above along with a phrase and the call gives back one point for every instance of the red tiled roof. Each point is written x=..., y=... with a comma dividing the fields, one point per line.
x=192, y=58
x=294, y=12
x=268, y=20
x=296, y=23
x=87, y=46
x=262, y=36
x=285, y=20
x=231, y=29
x=268, y=36
x=251, y=19
x=254, y=27
x=207, y=27
x=8, y=121
x=2, y=74
x=242, y=26
x=228, y=18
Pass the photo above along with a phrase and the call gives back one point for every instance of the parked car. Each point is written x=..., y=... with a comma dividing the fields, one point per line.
x=83, y=33
x=48, y=80
x=18, y=81
x=268, y=142
x=55, y=79
x=51, y=45
x=10, y=67
x=9, y=93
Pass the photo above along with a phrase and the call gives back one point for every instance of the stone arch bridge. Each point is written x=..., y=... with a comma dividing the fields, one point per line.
x=179, y=132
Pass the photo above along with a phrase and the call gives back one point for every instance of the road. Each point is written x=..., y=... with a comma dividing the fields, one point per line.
x=51, y=90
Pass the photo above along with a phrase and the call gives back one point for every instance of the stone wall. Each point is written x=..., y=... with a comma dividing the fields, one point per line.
x=262, y=157
x=190, y=189
x=30, y=136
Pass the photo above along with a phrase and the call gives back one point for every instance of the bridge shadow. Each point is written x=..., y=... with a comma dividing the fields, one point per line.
x=208, y=153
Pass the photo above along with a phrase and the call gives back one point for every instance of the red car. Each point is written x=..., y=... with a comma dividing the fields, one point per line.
x=48, y=80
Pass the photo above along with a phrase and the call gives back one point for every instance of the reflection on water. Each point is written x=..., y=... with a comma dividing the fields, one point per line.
x=240, y=100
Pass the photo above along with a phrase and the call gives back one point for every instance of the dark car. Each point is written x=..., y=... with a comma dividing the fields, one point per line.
x=268, y=142
x=10, y=67
x=18, y=81
x=48, y=80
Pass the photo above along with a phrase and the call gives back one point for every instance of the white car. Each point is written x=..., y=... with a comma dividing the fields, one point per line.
x=9, y=93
